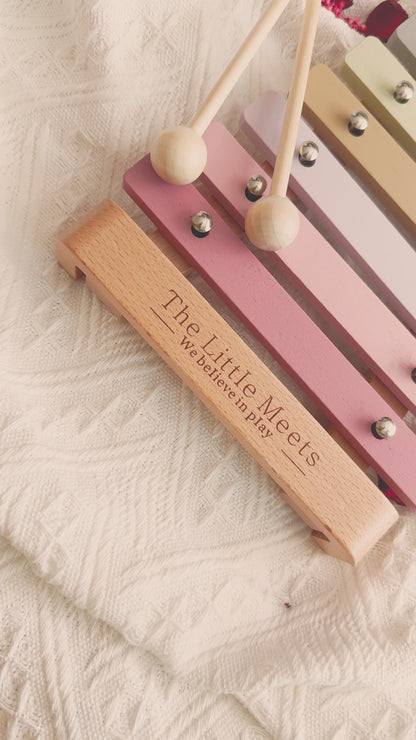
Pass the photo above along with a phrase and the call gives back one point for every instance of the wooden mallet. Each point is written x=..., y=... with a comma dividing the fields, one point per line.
x=179, y=155
x=273, y=221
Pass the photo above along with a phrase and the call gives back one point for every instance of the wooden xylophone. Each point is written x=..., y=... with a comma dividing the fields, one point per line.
x=319, y=466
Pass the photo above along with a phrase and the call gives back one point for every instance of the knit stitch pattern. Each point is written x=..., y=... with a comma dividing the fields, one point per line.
x=153, y=583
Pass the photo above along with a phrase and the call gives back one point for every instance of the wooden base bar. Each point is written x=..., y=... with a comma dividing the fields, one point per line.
x=124, y=267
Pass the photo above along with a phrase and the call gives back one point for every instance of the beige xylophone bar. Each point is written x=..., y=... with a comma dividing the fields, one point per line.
x=375, y=157
x=340, y=206
x=137, y=278
x=385, y=87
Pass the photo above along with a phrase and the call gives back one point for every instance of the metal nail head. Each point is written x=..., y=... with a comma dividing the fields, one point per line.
x=256, y=186
x=384, y=428
x=358, y=123
x=308, y=153
x=201, y=224
x=404, y=91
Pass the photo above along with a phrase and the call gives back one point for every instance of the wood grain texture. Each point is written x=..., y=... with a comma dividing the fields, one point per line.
x=177, y=260
x=398, y=407
x=346, y=511
x=316, y=269
x=277, y=321
x=376, y=158
x=173, y=256
x=373, y=72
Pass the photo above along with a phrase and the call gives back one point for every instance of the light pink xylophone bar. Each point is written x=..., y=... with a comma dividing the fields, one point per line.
x=320, y=273
x=235, y=273
x=342, y=208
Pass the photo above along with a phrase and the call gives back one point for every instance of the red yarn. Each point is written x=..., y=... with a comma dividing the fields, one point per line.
x=337, y=6
x=384, y=19
x=381, y=22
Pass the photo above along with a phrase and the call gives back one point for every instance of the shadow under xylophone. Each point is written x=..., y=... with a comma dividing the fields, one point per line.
x=144, y=280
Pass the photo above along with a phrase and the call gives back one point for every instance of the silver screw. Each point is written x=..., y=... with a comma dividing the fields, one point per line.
x=201, y=224
x=308, y=153
x=358, y=123
x=256, y=185
x=403, y=92
x=384, y=428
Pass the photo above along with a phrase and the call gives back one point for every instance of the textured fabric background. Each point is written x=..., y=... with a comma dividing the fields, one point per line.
x=146, y=562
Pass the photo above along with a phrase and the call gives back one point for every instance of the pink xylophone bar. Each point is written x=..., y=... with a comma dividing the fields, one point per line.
x=342, y=209
x=369, y=238
x=403, y=44
x=328, y=282
x=127, y=271
x=276, y=320
x=324, y=278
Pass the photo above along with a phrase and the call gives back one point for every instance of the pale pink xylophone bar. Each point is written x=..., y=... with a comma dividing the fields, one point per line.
x=342, y=208
x=237, y=276
x=375, y=244
x=321, y=274
x=126, y=270
x=316, y=269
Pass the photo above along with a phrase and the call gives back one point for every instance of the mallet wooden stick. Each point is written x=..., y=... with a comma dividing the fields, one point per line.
x=179, y=154
x=273, y=222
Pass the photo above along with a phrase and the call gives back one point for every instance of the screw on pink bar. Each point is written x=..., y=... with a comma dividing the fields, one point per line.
x=277, y=321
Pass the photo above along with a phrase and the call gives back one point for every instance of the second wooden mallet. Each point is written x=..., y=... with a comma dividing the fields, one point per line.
x=273, y=221
x=179, y=155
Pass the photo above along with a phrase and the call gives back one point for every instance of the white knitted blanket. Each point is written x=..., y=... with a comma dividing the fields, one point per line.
x=153, y=583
